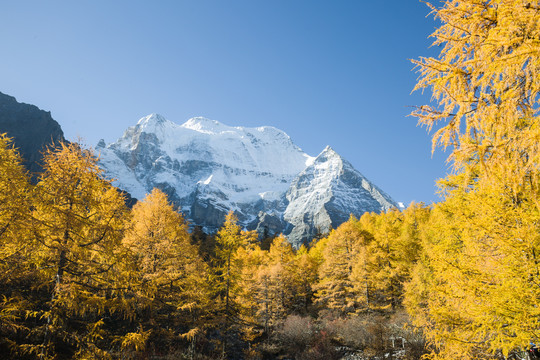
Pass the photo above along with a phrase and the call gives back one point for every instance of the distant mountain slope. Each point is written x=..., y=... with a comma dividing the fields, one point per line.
x=326, y=193
x=32, y=129
x=208, y=168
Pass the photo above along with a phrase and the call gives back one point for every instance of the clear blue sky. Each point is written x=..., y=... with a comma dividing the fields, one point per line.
x=326, y=72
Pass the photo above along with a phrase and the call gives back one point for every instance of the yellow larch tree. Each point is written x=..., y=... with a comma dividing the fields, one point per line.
x=304, y=277
x=477, y=272
x=474, y=289
x=485, y=83
x=227, y=272
x=336, y=289
x=408, y=246
x=281, y=271
x=252, y=289
x=276, y=283
x=167, y=277
x=14, y=198
x=383, y=258
x=17, y=273
x=78, y=220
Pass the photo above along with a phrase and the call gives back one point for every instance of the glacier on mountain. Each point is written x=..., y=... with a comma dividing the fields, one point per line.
x=208, y=168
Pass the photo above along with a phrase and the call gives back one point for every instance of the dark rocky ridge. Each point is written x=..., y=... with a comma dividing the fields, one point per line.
x=32, y=130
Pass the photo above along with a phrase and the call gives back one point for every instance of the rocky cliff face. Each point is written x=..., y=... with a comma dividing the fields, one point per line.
x=208, y=168
x=32, y=130
x=326, y=193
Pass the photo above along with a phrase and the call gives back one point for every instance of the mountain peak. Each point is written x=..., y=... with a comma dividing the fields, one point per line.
x=329, y=151
x=154, y=124
x=152, y=119
x=328, y=154
x=203, y=124
x=31, y=129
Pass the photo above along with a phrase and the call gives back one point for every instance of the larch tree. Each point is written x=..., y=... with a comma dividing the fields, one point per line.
x=335, y=290
x=77, y=223
x=383, y=258
x=255, y=294
x=477, y=272
x=14, y=195
x=18, y=275
x=304, y=277
x=408, y=246
x=226, y=280
x=227, y=272
x=473, y=290
x=167, y=277
x=281, y=269
x=271, y=283
x=276, y=283
x=486, y=87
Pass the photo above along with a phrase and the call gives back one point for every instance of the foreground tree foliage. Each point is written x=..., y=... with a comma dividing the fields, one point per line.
x=474, y=292
x=17, y=274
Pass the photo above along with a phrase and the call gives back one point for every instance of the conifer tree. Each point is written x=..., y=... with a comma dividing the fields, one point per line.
x=17, y=273
x=485, y=85
x=275, y=287
x=166, y=274
x=336, y=290
x=229, y=239
x=304, y=273
x=14, y=191
x=270, y=284
x=78, y=219
x=252, y=294
x=14, y=207
x=384, y=258
x=472, y=290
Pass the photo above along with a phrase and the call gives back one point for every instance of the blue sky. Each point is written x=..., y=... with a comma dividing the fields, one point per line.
x=326, y=72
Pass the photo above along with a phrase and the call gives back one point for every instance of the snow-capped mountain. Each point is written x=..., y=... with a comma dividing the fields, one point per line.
x=208, y=168
x=324, y=195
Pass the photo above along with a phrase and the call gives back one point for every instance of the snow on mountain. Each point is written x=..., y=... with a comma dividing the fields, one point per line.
x=324, y=195
x=208, y=168
x=226, y=167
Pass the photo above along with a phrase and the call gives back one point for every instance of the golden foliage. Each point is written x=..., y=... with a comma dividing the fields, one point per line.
x=77, y=223
x=474, y=290
x=136, y=340
x=166, y=279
